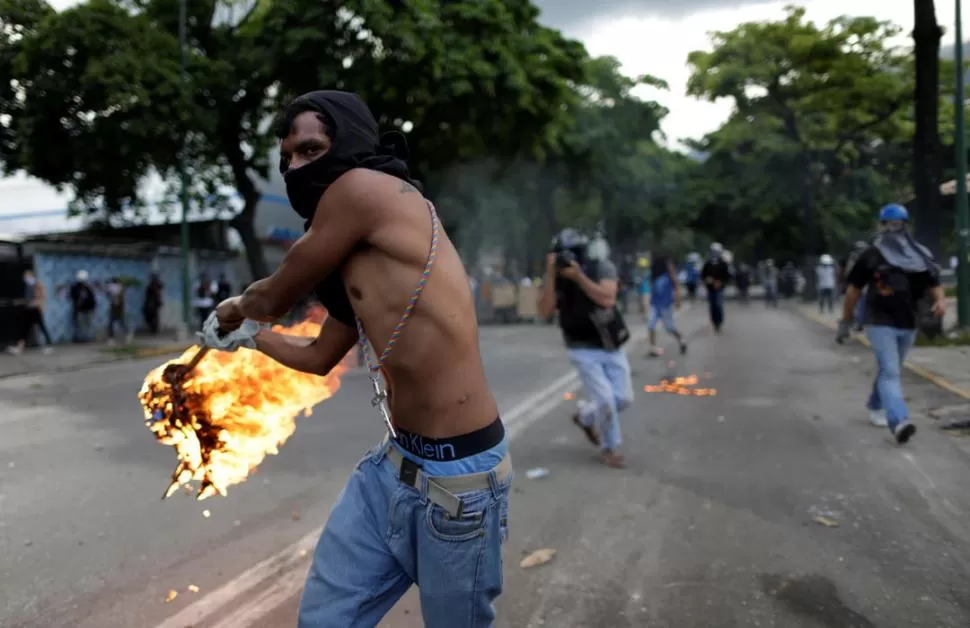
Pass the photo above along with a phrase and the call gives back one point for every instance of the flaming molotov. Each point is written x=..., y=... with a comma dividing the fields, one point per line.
x=230, y=411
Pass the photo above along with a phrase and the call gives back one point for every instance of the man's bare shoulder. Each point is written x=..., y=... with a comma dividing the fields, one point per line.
x=372, y=191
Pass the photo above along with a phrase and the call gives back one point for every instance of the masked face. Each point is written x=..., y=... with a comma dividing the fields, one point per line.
x=306, y=163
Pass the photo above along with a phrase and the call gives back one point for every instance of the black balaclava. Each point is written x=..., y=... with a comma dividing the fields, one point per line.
x=355, y=143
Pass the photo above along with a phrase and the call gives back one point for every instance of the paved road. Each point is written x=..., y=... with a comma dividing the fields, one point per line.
x=84, y=537
x=713, y=524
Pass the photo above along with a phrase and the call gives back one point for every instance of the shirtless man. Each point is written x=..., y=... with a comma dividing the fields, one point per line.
x=428, y=507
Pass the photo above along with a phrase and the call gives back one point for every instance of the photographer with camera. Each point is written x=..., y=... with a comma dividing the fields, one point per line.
x=581, y=283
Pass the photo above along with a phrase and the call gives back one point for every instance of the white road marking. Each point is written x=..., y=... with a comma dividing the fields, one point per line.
x=283, y=574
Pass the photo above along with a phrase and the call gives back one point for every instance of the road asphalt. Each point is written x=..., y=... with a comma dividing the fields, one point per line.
x=773, y=503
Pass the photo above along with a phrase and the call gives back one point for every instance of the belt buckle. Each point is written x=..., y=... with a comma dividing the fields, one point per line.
x=409, y=472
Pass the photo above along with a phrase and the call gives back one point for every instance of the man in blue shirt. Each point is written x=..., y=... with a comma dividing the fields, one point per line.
x=664, y=297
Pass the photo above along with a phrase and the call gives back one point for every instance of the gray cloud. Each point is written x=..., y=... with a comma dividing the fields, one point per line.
x=571, y=15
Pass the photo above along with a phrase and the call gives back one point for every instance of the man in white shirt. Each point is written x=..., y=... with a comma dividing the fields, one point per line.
x=825, y=277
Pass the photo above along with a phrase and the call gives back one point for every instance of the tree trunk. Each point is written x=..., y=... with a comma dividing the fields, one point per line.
x=926, y=141
x=244, y=225
x=810, y=226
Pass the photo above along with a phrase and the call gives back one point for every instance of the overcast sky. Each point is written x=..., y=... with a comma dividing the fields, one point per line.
x=655, y=36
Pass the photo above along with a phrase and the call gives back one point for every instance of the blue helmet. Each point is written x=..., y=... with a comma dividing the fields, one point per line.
x=893, y=212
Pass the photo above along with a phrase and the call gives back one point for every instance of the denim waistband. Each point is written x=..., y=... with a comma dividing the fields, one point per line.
x=481, y=462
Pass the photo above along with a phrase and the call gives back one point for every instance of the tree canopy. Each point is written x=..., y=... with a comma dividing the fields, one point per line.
x=515, y=129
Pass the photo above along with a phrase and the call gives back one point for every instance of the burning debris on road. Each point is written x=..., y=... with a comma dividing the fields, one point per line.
x=228, y=412
x=681, y=386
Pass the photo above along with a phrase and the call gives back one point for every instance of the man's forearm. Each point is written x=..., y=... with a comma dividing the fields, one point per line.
x=295, y=352
x=852, y=295
x=938, y=294
x=603, y=297
x=256, y=305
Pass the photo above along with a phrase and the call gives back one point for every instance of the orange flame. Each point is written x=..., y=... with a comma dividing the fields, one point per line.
x=681, y=386
x=231, y=411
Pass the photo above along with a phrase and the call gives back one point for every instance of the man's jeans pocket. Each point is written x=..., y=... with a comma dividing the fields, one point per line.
x=471, y=523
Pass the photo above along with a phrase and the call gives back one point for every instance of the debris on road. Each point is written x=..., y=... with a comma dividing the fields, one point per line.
x=193, y=589
x=537, y=473
x=720, y=419
x=537, y=558
x=295, y=516
x=206, y=514
x=303, y=552
x=172, y=594
x=568, y=396
x=828, y=522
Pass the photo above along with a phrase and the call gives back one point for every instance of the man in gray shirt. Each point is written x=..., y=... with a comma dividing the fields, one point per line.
x=583, y=289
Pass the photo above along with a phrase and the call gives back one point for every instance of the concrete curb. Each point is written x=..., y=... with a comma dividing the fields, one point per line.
x=918, y=370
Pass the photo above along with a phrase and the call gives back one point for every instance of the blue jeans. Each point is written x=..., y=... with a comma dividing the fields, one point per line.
x=890, y=346
x=383, y=536
x=715, y=299
x=665, y=314
x=771, y=294
x=859, y=314
x=606, y=379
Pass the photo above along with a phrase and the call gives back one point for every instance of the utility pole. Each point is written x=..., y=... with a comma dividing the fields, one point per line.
x=963, y=224
x=184, y=176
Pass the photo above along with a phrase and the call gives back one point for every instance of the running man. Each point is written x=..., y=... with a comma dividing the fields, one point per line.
x=429, y=507
x=716, y=274
x=35, y=296
x=897, y=273
x=664, y=298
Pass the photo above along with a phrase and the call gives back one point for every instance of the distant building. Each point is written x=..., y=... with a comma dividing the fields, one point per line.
x=29, y=207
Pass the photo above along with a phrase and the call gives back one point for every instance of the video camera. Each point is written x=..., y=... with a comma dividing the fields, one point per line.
x=569, y=246
x=565, y=259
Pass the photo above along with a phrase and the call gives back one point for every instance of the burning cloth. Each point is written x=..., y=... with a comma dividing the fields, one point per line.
x=230, y=411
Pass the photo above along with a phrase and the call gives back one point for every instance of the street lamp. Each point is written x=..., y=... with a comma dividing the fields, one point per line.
x=184, y=176
x=963, y=225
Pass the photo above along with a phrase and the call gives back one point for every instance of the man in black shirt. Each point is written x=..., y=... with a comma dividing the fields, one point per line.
x=897, y=272
x=583, y=289
x=716, y=274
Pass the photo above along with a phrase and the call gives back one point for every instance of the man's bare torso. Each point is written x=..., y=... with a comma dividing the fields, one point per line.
x=436, y=382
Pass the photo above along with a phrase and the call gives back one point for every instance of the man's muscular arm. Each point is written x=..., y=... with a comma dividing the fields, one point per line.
x=346, y=216
x=310, y=355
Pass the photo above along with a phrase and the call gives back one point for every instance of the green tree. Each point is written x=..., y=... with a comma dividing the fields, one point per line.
x=819, y=107
x=606, y=170
x=470, y=79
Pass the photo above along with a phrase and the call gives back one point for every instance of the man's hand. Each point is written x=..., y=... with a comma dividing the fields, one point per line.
x=229, y=316
x=939, y=308
x=573, y=272
x=551, y=264
x=244, y=335
x=843, y=332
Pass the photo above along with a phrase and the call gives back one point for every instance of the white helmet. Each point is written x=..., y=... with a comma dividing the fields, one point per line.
x=826, y=260
x=717, y=248
x=82, y=275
